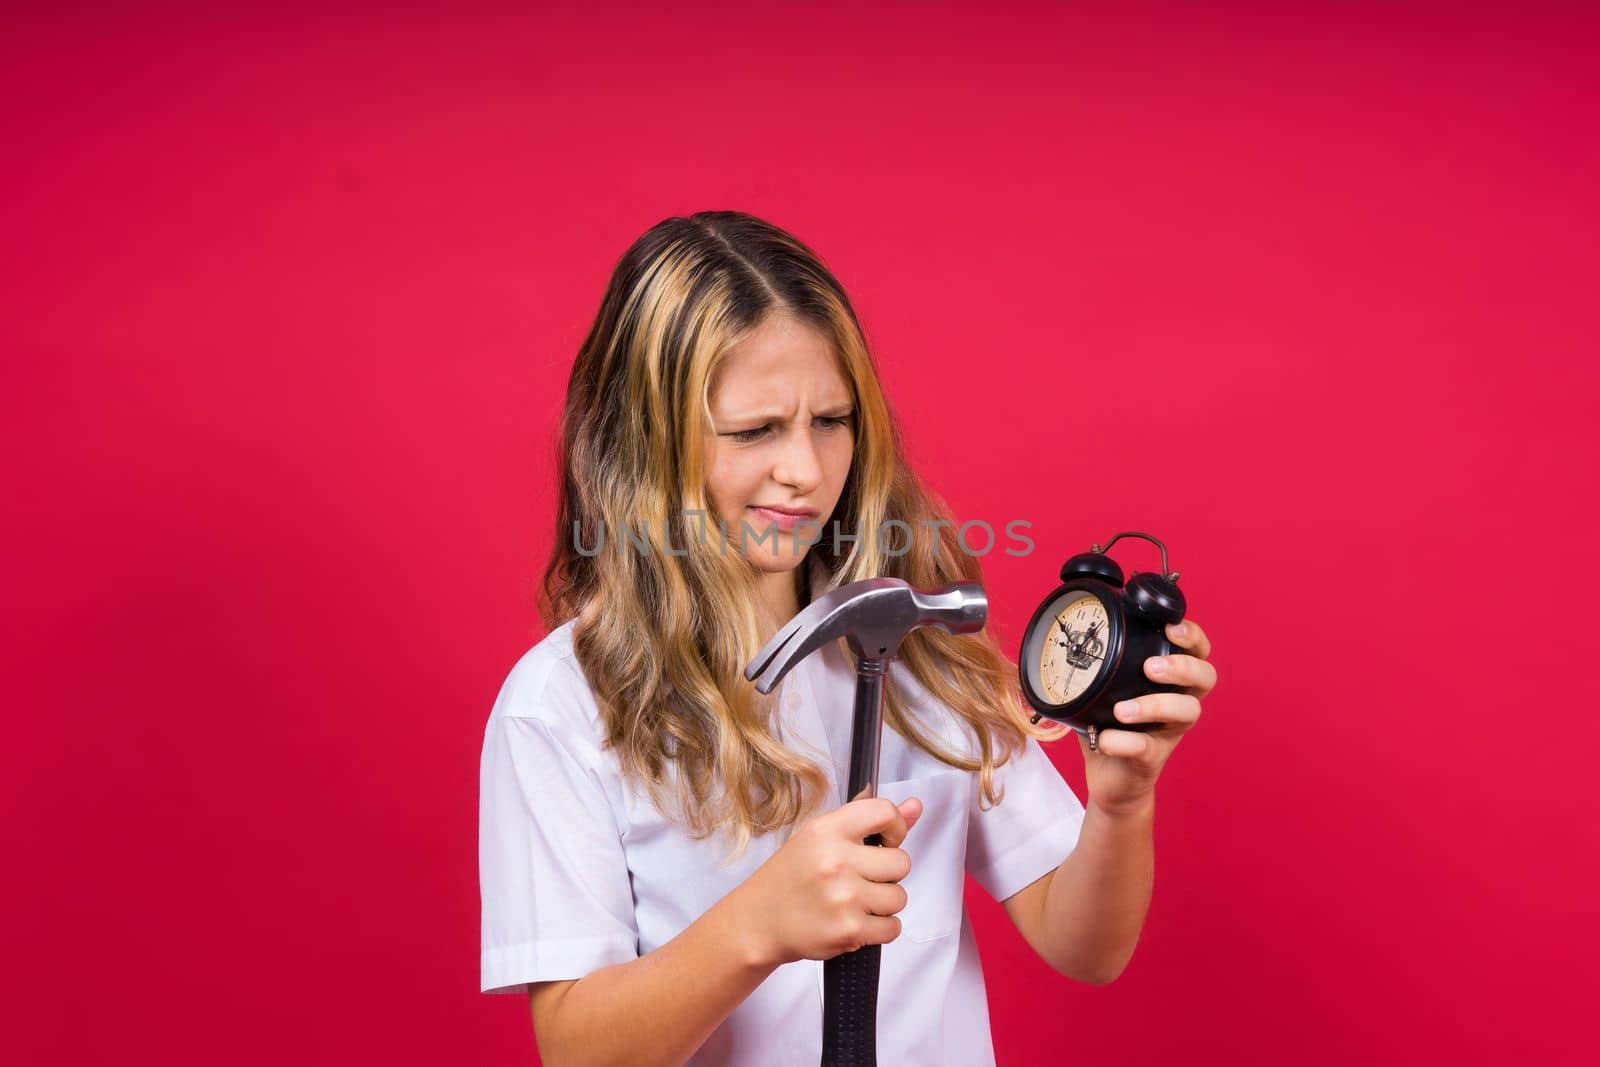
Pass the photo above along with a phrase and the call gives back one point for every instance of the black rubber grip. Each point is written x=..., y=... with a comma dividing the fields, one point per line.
x=850, y=1004
x=850, y=1008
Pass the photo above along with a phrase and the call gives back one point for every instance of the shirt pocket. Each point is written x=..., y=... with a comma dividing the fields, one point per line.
x=937, y=846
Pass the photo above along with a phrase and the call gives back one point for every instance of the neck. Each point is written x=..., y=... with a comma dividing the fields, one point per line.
x=781, y=594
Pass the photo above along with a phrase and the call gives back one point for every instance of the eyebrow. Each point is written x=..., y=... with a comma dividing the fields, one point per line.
x=831, y=412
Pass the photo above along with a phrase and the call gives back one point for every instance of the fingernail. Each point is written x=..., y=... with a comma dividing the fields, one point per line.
x=1157, y=665
x=1179, y=629
x=1127, y=709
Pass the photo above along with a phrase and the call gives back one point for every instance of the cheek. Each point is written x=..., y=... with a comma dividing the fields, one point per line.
x=731, y=480
x=839, y=453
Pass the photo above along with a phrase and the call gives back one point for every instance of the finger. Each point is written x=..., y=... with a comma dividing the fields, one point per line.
x=879, y=863
x=883, y=898
x=1188, y=634
x=879, y=930
x=872, y=815
x=1186, y=671
x=910, y=811
x=1124, y=744
x=1179, y=708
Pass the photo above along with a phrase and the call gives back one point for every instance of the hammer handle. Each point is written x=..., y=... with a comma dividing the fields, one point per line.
x=850, y=1004
x=850, y=979
x=850, y=1008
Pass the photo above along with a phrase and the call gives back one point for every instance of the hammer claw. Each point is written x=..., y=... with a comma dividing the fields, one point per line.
x=875, y=614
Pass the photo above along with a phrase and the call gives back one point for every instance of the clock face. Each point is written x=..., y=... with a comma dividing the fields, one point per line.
x=1074, y=648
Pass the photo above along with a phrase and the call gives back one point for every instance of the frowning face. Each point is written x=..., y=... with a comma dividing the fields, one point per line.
x=783, y=433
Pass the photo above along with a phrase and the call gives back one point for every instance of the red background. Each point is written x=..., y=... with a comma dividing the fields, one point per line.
x=292, y=298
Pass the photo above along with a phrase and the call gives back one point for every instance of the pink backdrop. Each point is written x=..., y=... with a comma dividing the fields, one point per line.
x=292, y=298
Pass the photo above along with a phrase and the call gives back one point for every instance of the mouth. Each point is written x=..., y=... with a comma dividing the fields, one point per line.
x=797, y=513
x=785, y=518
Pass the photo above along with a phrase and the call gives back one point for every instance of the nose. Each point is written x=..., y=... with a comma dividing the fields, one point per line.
x=796, y=463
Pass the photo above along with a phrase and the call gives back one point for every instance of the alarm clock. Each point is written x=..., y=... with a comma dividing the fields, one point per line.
x=1085, y=647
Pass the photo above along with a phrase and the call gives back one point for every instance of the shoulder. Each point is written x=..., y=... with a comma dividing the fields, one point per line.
x=932, y=715
x=547, y=685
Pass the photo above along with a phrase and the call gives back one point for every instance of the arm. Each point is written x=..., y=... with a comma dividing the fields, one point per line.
x=698, y=977
x=1084, y=918
x=823, y=892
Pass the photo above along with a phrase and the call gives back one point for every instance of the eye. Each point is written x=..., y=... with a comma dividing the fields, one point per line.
x=833, y=422
x=748, y=436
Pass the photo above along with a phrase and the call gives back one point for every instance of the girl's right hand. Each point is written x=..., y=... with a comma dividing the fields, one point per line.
x=824, y=892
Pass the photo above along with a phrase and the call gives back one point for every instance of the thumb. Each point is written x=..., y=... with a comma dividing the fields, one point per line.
x=911, y=811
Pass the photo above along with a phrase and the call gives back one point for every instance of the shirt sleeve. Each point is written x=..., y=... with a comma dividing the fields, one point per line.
x=1033, y=828
x=557, y=899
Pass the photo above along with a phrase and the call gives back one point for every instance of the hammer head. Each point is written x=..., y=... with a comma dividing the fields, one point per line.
x=874, y=614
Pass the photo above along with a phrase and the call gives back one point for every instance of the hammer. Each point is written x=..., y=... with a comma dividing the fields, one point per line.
x=873, y=616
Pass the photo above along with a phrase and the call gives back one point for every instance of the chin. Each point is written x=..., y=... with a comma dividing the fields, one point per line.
x=777, y=563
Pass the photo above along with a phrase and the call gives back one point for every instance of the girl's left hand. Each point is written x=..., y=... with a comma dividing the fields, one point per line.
x=1122, y=775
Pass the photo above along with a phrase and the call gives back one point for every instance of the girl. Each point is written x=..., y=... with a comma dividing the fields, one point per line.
x=665, y=856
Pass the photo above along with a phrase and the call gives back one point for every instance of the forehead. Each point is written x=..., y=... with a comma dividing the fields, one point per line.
x=778, y=364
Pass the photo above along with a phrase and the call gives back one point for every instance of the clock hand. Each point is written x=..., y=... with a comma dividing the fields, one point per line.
x=1087, y=637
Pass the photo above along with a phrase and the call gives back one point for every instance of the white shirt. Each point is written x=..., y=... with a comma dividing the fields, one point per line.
x=578, y=870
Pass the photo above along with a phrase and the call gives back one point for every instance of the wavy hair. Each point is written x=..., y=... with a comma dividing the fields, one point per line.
x=663, y=636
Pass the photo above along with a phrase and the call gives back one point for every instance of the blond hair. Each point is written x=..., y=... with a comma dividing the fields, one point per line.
x=663, y=633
